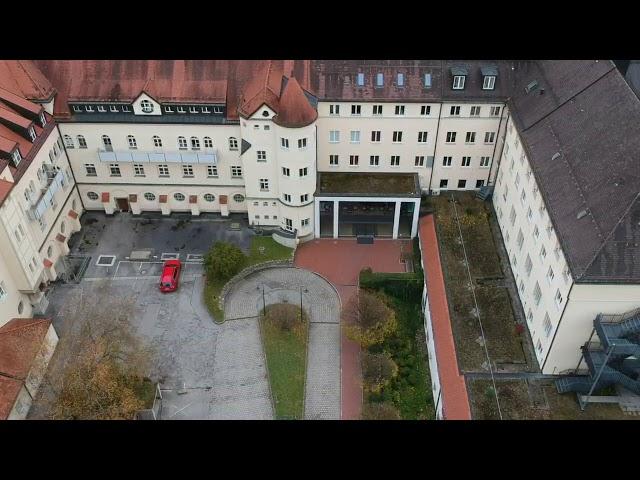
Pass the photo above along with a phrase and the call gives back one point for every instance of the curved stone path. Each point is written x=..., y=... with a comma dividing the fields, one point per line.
x=320, y=300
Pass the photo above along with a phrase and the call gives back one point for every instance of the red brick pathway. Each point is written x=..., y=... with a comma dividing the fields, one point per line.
x=340, y=262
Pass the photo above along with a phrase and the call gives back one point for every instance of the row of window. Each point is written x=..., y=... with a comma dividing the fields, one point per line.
x=394, y=161
x=447, y=161
x=284, y=143
x=444, y=183
x=178, y=197
x=147, y=107
x=183, y=144
x=376, y=137
x=399, y=110
x=163, y=170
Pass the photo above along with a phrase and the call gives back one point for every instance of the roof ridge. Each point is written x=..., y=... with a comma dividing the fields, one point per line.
x=33, y=81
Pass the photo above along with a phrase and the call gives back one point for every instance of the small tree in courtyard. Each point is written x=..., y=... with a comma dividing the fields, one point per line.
x=285, y=316
x=377, y=370
x=224, y=260
x=369, y=319
x=380, y=411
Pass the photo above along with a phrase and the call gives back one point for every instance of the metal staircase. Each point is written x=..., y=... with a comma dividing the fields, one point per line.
x=484, y=193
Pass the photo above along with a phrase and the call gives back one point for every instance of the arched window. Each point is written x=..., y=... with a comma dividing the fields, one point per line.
x=133, y=144
x=179, y=197
x=182, y=143
x=146, y=106
x=106, y=141
x=208, y=143
x=233, y=143
x=68, y=142
x=157, y=141
x=82, y=143
x=74, y=204
x=50, y=251
x=195, y=143
x=149, y=196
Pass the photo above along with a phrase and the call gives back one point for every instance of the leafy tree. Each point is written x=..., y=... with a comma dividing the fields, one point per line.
x=368, y=318
x=224, y=260
x=380, y=411
x=377, y=370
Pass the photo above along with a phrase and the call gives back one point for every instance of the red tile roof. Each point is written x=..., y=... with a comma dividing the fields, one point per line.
x=9, y=391
x=13, y=118
x=19, y=102
x=20, y=341
x=24, y=78
x=5, y=188
x=455, y=402
x=295, y=110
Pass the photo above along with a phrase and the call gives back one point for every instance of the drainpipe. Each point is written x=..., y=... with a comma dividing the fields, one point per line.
x=75, y=182
x=435, y=148
x=495, y=147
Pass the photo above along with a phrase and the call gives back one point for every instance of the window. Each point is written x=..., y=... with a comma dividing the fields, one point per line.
x=287, y=197
x=187, y=170
x=238, y=198
x=419, y=161
x=399, y=109
x=168, y=109
x=377, y=109
x=138, y=169
x=489, y=137
x=163, y=170
x=374, y=160
x=303, y=172
x=471, y=137
x=157, y=141
x=89, y=108
x=529, y=316
x=537, y=294
x=489, y=82
x=132, y=142
x=101, y=109
x=400, y=81
x=422, y=137
x=484, y=161
x=495, y=111
x=193, y=110
x=547, y=325
x=150, y=197
x=380, y=80
x=475, y=111
x=17, y=158
x=68, y=142
x=305, y=222
x=286, y=172
x=334, y=109
x=209, y=197
x=302, y=143
x=146, y=106
x=90, y=170
x=195, y=143
x=208, y=143
x=353, y=160
x=451, y=137
x=550, y=275
x=77, y=108
x=427, y=80
x=558, y=298
x=543, y=253
x=262, y=156
x=446, y=161
x=397, y=137
x=512, y=216
x=284, y=143
x=462, y=183
x=444, y=183
x=3, y=292
x=233, y=143
x=523, y=197
x=356, y=109
x=520, y=239
x=395, y=160
x=360, y=79
x=466, y=161
x=539, y=347
x=536, y=233
x=182, y=143
x=212, y=171
x=529, y=214
x=355, y=136
x=458, y=82
x=455, y=110
x=304, y=198
x=375, y=136
x=521, y=286
x=528, y=265
x=179, y=197
x=333, y=160
x=236, y=172
x=334, y=136
x=264, y=184
x=92, y=196
x=114, y=169
x=288, y=224
x=32, y=134
x=82, y=143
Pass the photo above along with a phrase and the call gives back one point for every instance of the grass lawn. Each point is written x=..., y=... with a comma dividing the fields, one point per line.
x=286, y=352
x=262, y=249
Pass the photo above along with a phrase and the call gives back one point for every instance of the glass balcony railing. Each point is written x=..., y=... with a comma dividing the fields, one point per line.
x=55, y=181
x=208, y=155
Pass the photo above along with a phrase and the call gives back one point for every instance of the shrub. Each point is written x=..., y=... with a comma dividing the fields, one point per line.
x=369, y=319
x=380, y=411
x=377, y=370
x=224, y=260
x=284, y=316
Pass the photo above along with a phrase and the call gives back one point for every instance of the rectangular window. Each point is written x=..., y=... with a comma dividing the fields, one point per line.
x=520, y=239
x=547, y=325
x=489, y=137
x=334, y=109
x=287, y=197
x=284, y=143
x=528, y=265
x=475, y=111
x=212, y=171
x=419, y=161
x=399, y=109
x=550, y=275
x=302, y=143
x=444, y=183
x=182, y=143
x=479, y=183
x=422, y=137
x=523, y=197
x=451, y=137
x=262, y=156
x=512, y=216
x=425, y=110
x=495, y=111
x=333, y=160
x=334, y=136
x=558, y=298
x=304, y=198
x=536, y=233
x=455, y=110
x=484, y=161
x=529, y=214
x=397, y=137
x=395, y=160
x=89, y=108
x=303, y=172
x=471, y=137
x=355, y=136
x=236, y=171
x=380, y=80
x=374, y=160
x=305, y=222
x=375, y=136
x=114, y=170
x=138, y=169
x=163, y=170
x=356, y=109
x=543, y=253
x=360, y=79
x=446, y=161
x=264, y=184
x=537, y=294
x=400, y=81
x=91, y=169
x=488, y=82
x=187, y=170
x=462, y=183
x=427, y=80
x=458, y=82
x=353, y=160
x=466, y=161
x=377, y=109
x=286, y=172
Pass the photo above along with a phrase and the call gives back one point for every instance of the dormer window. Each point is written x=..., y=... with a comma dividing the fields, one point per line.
x=380, y=80
x=168, y=109
x=146, y=106
x=206, y=110
x=77, y=108
x=88, y=108
x=427, y=80
x=43, y=120
x=125, y=108
x=32, y=134
x=17, y=158
x=193, y=109
x=113, y=108
x=400, y=81
x=361, y=79
x=458, y=82
x=101, y=109
x=489, y=75
x=180, y=110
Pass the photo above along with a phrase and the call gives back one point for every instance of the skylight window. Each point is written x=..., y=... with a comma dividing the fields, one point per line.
x=361, y=79
x=400, y=81
x=380, y=80
x=427, y=80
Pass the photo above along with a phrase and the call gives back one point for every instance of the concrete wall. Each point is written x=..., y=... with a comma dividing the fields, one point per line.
x=22, y=405
x=41, y=362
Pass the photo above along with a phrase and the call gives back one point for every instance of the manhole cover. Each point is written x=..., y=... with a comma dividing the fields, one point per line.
x=106, y=260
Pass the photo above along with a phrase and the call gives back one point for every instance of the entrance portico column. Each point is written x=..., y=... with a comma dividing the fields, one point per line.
x=336, y=204
x=396, y=219
x=416, y=217
x=316, y=219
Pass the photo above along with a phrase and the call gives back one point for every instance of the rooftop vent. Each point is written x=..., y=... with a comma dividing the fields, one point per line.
x=531, y=87
x=582, y=213
x=555, y=156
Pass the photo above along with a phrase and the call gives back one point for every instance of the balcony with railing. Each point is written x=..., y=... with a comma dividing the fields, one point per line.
x=54, y=181
x=207, y=155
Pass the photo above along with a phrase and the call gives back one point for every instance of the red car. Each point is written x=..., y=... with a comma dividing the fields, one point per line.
x=170, y=276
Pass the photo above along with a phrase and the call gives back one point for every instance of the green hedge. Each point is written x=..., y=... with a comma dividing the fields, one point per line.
x=406, y=286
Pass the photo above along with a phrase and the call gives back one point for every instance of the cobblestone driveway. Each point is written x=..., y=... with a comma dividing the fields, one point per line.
x=320, y=300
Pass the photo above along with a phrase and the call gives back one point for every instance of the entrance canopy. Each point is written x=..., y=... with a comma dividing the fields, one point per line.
x=368, y=184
